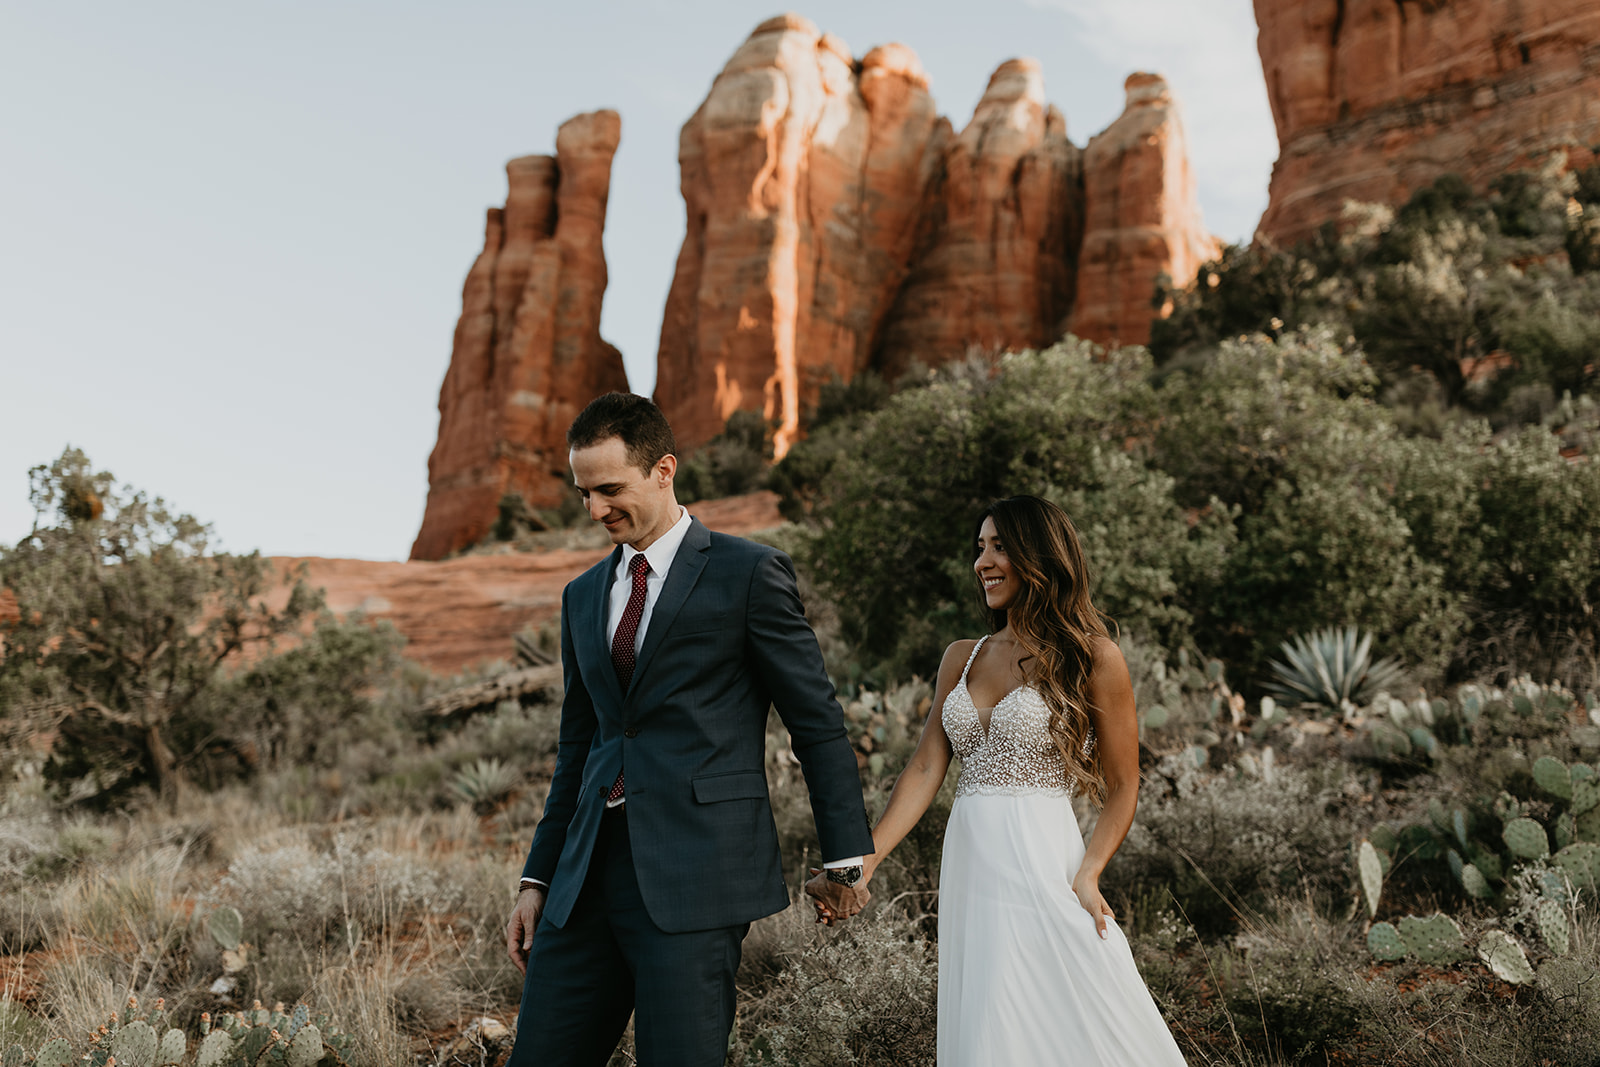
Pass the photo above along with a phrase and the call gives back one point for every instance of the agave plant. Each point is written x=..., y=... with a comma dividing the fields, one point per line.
x=1330, y=668
x=485, y=783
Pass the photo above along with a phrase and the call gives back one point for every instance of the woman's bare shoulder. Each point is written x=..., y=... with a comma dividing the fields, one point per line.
x=1109, y=664
x=955, y=658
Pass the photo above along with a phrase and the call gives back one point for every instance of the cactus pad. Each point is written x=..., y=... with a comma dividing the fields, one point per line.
x=55, y=1053
x=227, y=927
x=1384, y=942
x=1585, y=794
x=1505, y=957
x=1476, y=885
x=1156, y=716
x=1581, y=863
x=173, y=1045
x=215, y=1050
x=1436, y=939
x=306, y=1048
x=1551, y=775
x=1552, y=920
x=1526, y=839
x=1389, y=742
x=1586, y=827
x=1458, y=824
x=1383, y=839
x=15, y=1057
x=135, y=1045
x=1371, y=868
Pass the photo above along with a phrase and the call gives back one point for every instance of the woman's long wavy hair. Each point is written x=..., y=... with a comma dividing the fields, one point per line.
x=1055, y=622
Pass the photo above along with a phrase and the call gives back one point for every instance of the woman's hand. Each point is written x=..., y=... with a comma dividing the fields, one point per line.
x=1087, y=888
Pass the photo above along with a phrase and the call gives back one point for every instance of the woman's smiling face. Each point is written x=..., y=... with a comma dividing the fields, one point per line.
x=1000, y=584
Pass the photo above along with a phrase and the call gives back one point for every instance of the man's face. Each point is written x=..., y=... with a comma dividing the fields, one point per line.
x=634, y=506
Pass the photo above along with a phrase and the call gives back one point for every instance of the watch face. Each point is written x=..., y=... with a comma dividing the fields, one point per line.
x=845, y=876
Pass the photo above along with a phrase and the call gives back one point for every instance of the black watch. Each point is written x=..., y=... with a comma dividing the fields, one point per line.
x=845, y=876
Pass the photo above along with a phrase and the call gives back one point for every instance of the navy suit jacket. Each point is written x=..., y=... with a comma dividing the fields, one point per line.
x=727, y=639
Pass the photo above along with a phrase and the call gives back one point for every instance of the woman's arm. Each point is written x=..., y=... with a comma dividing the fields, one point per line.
x=1116, y=730
x=924, y=773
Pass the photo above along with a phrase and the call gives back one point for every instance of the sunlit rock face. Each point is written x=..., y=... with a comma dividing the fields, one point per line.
x=1143, y=217
x=836, y=224
x=1374, y=99
x=528, y=353
x=803, y=175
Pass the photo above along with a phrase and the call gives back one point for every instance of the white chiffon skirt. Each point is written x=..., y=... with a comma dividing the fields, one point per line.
x=1024, y=979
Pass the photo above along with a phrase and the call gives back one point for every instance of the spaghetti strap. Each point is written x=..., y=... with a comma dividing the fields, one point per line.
x=972, y=657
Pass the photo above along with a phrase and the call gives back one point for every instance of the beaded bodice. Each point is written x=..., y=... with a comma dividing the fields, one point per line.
x=1016, y=753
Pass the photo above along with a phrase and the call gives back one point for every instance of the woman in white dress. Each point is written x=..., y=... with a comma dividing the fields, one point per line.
x=1032, y=967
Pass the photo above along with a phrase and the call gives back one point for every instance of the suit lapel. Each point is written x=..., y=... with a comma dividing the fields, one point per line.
x=600, y=605
x=681, y=579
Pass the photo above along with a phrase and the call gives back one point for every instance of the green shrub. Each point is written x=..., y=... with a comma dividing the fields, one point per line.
x=126, y=619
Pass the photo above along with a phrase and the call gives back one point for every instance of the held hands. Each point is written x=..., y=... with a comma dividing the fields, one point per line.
x=524, y=920
x=1087, y=888
x=835, y=902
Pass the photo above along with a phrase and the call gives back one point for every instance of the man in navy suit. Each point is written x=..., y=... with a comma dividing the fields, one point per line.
x=657, y=848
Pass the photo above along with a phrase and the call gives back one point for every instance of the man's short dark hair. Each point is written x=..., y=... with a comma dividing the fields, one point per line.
x=635, y=419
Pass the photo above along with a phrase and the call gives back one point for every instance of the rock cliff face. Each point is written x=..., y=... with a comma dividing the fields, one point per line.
x=527, y=354
x=1001, y=227
x=802, y=178
x=1375, y=98
x=836, y=224
x=1143, y=217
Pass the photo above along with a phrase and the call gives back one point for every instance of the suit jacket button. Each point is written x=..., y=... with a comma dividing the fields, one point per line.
x=632, y=731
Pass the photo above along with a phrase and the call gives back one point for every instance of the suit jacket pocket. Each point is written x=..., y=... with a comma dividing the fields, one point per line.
x=739, y=785
x=687, y=625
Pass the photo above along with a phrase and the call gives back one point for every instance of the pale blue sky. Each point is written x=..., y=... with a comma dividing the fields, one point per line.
x=232, y=237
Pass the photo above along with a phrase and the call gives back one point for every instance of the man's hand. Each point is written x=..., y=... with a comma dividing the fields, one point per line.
x=524, y=920
x=835, y=902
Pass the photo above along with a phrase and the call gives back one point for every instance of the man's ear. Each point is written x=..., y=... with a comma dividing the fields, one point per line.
x=666, y=470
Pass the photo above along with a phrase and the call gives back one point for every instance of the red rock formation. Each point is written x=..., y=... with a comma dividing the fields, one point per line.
x=1143, y=217
x=1001, y=232
x=802, y=178
x=1374, y=99
x=836, y=224
x=528, y=353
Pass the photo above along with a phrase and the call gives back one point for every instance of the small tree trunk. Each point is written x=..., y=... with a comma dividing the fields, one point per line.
x=169, y=779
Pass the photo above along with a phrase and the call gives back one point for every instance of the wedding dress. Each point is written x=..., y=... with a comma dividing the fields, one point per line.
x=1024, y=979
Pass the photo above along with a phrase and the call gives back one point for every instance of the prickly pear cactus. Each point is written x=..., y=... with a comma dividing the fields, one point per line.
x=1476, y=885
x=1383, y=940
x=215, y=1050
x=1552, y=920
x=1436, y=939
x=1526, y=839
x=1371, y=868
x=1500, y=951
x=56, y=1053
x=1586, y=827
x=226, y=926
x=306, y=1048
x=15, y=1057
x=173, y=1046
x=135, y=1045
x=1553, y=776
x=1585, y=795
x=1580, y=862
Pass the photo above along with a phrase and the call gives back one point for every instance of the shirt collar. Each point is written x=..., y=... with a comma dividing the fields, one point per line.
x=664, y=549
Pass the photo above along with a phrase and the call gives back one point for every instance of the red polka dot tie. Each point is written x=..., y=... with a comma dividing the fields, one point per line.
x=623, y=655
